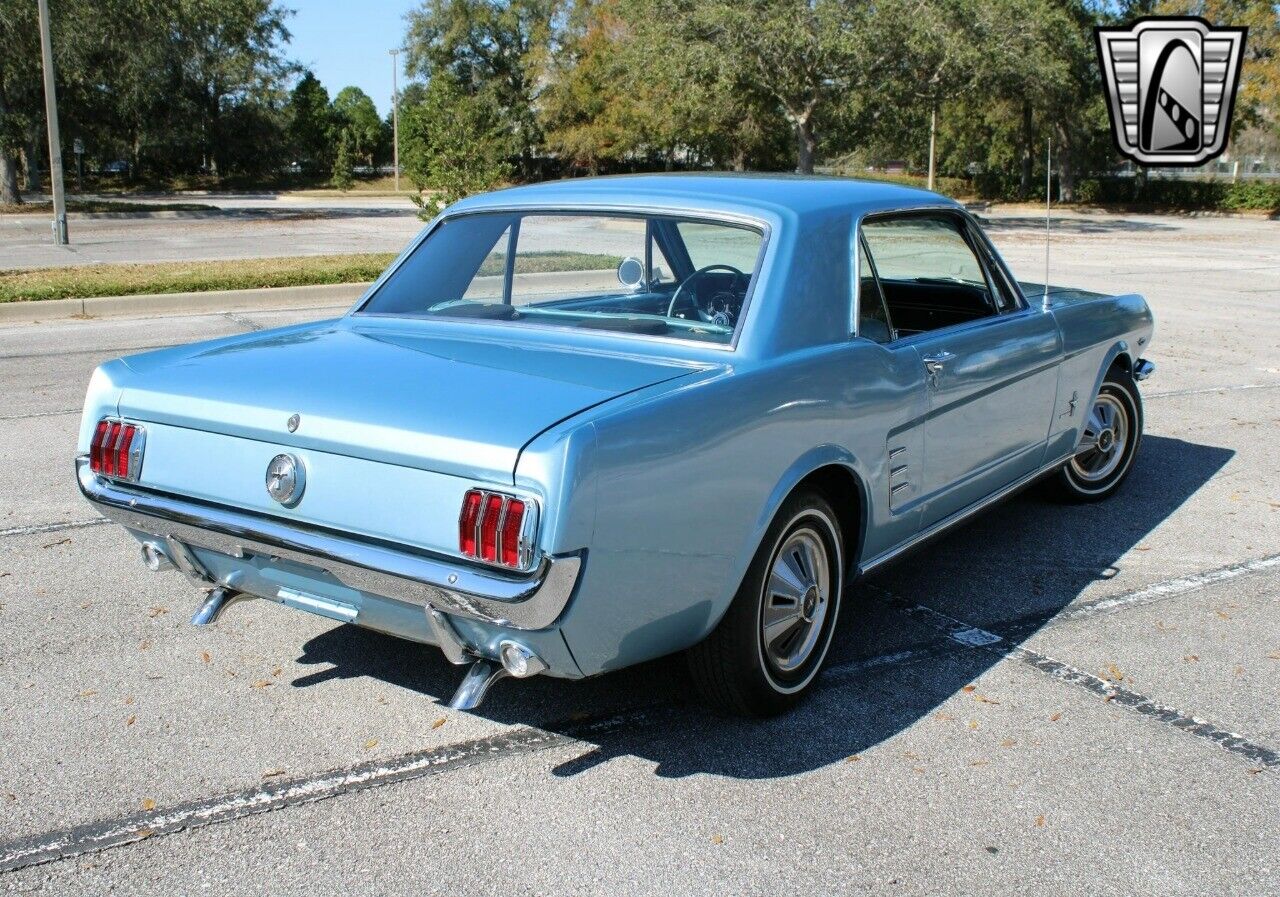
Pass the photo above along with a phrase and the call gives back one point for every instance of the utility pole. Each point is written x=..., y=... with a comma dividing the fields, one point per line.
x=395, y=115
x=55, y=146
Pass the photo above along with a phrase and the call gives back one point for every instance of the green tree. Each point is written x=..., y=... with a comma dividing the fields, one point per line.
x=620, y=90
x=357, y=117
x=343, y=176
x=808, y=57
x=491, y=50
x=452, y=144
x=311, y=123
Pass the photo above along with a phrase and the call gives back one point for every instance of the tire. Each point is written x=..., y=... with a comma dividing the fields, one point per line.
x=793, y=587
x=1112, y=434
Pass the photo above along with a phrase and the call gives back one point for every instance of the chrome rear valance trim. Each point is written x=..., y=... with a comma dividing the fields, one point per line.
x=400, y=572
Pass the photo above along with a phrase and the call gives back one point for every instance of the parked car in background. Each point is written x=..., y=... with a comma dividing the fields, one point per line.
x=581, y=425
x=118, y=167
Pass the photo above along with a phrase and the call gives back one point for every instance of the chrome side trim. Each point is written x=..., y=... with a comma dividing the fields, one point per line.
x=961, y=515
x=1143, y=369
x=394, y=571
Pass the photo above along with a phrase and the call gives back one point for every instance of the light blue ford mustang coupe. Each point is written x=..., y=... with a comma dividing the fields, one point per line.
x=580, y=425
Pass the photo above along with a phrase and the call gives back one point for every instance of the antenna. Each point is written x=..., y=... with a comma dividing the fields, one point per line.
x=1048, y=212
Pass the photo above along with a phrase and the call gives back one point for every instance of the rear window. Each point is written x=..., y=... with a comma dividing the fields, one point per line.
x=648, y=276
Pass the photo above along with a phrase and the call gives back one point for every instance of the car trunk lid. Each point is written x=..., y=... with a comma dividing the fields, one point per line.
x=460, y=405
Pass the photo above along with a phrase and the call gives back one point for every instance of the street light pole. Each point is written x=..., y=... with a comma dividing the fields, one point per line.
x=395, y=115
x=55, y=146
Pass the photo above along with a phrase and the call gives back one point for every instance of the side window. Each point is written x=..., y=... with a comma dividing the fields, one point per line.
x=928, y=272
x=873, y=320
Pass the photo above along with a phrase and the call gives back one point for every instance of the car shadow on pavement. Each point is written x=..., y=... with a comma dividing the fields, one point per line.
x=1011, y=570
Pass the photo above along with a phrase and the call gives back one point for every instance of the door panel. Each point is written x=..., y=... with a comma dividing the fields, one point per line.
x=992, y=386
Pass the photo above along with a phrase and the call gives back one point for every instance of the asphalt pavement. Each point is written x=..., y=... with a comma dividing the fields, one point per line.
x=1052, y=700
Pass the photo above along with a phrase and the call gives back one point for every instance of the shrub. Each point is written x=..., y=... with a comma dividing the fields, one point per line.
x=1185, y=195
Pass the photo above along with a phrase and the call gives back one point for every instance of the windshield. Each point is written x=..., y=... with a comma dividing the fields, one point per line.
x=652, y=276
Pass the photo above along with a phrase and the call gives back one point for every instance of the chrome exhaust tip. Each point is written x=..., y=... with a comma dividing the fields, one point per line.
x=520, y=661
x=475, y=685
x=217, y=601
x=155, y=558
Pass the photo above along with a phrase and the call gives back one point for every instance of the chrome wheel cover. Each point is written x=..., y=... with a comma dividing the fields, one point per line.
x=1106, y=436
x=797, y=599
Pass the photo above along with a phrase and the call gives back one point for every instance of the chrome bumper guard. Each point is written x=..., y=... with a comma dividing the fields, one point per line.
x=1143, y=369
x=391, y=571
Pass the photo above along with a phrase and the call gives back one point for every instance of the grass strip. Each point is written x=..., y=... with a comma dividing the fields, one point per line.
x=88, y=281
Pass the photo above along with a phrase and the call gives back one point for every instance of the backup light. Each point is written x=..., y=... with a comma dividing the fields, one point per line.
x=116, y=450
x=493, y=528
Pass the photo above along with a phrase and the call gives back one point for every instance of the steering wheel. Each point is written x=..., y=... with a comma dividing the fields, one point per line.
x=711, y=314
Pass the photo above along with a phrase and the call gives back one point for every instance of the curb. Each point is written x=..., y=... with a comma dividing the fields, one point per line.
x=213, y=301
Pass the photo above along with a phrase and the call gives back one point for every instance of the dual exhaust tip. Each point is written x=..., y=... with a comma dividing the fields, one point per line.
x=518, y=660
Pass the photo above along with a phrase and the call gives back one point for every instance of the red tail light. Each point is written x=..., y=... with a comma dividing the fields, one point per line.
x=509, y=550
x=116, y=450
x=489, y=519
x=492, y=527
x=467, y=536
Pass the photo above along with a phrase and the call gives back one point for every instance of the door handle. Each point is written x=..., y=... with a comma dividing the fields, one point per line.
x=935, y=363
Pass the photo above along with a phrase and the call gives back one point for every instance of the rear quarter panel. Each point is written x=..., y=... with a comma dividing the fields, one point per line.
x=688, y=477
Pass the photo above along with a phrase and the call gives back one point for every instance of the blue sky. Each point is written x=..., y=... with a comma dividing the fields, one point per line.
x=346, y=42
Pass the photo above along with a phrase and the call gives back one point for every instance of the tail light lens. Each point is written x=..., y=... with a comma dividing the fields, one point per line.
x=496, y=528
x=116, y=450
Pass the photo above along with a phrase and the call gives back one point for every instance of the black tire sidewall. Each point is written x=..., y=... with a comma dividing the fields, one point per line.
x=822, y=520
x=1123, y=388
x=754, y=688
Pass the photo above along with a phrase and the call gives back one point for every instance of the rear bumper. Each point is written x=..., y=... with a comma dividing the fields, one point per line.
x=392, y=571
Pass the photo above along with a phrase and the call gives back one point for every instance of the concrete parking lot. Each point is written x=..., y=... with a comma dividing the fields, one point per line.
x=1059, y=700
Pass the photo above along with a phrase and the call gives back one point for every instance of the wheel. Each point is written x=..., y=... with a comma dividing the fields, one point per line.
x=1112, y=432
x=765, y=654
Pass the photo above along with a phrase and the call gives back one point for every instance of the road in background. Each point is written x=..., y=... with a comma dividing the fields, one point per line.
x=1128, y=747
x=239, y=226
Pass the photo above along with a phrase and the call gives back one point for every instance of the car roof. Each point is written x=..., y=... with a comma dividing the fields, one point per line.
x=775, y=193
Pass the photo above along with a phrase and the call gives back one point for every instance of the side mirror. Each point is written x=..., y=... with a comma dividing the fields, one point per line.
x=631, y=273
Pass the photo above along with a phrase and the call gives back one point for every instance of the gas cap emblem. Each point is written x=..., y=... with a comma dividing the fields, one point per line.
x=294, y=420
x=286, y=478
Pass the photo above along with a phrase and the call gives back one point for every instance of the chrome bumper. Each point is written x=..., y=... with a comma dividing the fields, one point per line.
x=392, y=571
x=1143, y=369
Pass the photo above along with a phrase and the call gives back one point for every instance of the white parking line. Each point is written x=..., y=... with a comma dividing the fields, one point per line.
x=1208, y=389
x=1171, y=587
x=983, y=640
x=52, y=527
